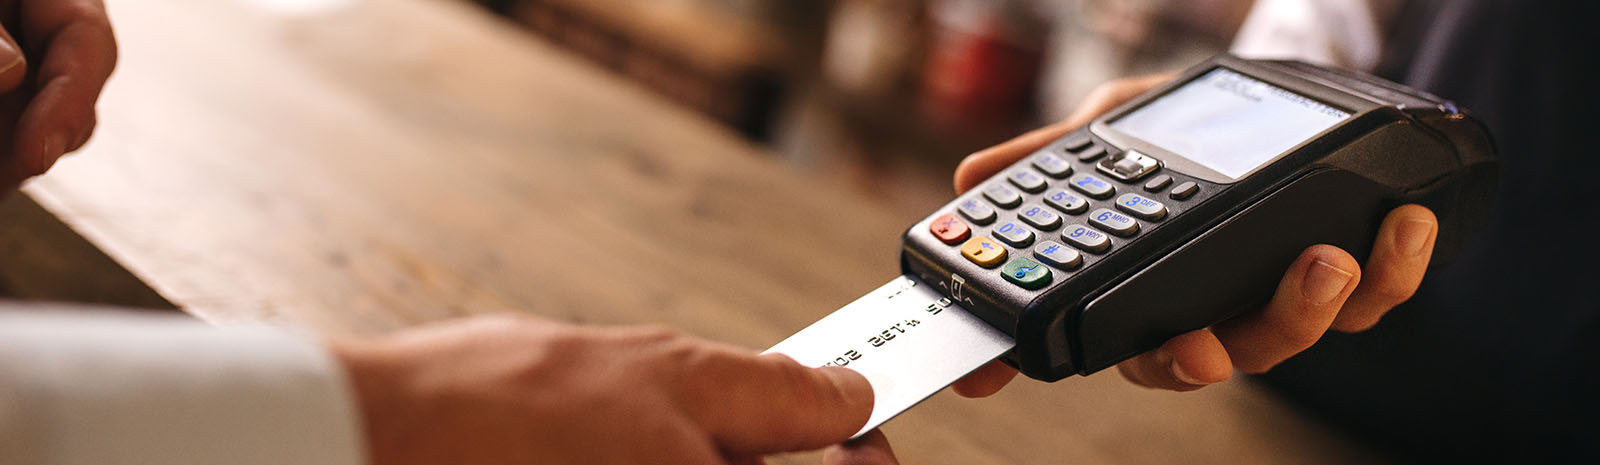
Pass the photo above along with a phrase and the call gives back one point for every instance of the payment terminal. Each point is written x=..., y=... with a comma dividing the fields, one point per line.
x=1175, y=211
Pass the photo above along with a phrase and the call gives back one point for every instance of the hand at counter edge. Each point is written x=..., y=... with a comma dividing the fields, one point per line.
x=55, y=58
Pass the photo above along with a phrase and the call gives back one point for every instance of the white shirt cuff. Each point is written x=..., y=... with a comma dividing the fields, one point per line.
x=113, y=387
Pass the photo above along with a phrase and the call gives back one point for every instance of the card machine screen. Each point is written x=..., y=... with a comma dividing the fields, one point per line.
x=1205, y=119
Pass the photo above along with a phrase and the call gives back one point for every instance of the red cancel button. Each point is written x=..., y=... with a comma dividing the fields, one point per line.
x=949, y=229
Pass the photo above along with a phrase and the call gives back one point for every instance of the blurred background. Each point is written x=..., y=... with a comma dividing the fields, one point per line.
x=854, y=89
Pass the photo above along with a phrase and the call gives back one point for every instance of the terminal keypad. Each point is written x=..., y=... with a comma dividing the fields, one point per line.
x=1036, y=216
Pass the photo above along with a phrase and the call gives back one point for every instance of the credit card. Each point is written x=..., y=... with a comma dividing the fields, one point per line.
x=906, y=338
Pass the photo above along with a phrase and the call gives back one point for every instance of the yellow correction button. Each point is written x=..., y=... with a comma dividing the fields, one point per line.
x=984, y=251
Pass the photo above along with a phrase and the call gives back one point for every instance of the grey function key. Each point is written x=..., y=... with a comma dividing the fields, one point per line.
x=1052, y=165
x=1067, y=202
x=1054, y=254
x=1027, y=179
x=1113, y=222
x=1039, y=217
x=1002, y=195
x=1075, y=142
x=1091, y=153
x=1082, y=237
x=1092, y=185
x=1142, y=207
x=1156, y=184
x=1184, y=191
x=1013, y=233
x=976, y=210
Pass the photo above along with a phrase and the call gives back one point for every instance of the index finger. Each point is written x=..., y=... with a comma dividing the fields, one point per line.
x=753, y=405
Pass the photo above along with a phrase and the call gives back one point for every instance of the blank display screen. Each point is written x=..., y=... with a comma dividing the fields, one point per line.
x=1229, y=122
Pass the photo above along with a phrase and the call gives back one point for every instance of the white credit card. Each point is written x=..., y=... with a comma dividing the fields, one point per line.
x=906, y=338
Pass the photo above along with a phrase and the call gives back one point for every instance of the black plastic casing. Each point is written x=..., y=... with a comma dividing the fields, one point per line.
x=1224, y=250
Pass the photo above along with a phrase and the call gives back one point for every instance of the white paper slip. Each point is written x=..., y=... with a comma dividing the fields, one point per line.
x=907, y=339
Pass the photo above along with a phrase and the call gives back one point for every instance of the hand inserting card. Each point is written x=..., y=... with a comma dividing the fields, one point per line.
x=906, y=338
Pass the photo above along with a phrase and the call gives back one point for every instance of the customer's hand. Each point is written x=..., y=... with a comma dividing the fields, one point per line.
x=1324, y=288
x=514, y=390
x=55, y=56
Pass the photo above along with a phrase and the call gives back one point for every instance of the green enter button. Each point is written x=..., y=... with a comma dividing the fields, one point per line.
x=1026, y=273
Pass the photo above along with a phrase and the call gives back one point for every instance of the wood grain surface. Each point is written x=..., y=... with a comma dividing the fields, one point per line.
x=377, y=164
x=42, y=259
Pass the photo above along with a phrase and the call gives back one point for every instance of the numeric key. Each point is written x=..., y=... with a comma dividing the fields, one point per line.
x=1084, y=238
x=1039, y=217
x=1113, y=222
x=1002, y=195
x=1052, y=165
x=1142, y=207
x=1067, y=202
x=1027, y=179
x=1092, y=185
x=1014, y=234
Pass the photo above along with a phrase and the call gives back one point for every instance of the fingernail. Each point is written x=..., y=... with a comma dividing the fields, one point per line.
x=1177, y=372
x=1323, y=282
x=16, y=56
x=1413, y=235
x=50, y=150
x=16, y=60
